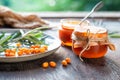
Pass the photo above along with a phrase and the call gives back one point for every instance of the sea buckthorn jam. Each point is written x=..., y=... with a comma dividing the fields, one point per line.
x=90, y=41
x=67, y=27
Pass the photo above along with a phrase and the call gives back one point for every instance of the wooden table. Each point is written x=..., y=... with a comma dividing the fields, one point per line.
x=105, y=68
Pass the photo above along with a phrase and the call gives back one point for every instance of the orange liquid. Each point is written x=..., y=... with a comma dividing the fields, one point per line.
x=96, y=51
x=93, y=52
x=66, y=32
x=65, y=37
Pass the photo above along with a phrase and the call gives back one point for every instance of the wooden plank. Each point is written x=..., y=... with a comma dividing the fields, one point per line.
x=106, y=68
x=91, y=69
x=109, y=15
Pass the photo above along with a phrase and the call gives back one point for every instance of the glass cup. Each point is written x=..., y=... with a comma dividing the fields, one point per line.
x=67, y=27
x=90, y=42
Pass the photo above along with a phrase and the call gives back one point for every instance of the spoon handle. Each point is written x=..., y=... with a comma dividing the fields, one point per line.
x=95, y=8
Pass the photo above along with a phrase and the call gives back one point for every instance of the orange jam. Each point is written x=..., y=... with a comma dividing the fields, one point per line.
x=90, y=44
x=67, y=27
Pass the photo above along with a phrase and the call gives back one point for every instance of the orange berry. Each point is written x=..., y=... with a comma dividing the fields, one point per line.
x=8, y=50
x=13, y=50
x=68, y=60
x=32, y=50
x=37, y=46
x=37, y=50
x=27, y=51
x=6, y=54
x=20, y=49
x=24, y=50
x=11, y=54
x=20, y=53
x=42, y=50
x=46, y=47
x=53, y=64
x=64, y=63
x=32, y=46
x=18, y=44
x=45, y=65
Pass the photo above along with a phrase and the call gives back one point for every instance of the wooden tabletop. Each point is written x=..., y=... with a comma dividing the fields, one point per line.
x=105, y=68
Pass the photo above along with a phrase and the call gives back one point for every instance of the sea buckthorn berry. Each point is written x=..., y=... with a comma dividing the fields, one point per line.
x=8, y=50
x=37, y=50
x=46, y=47
x=37, y=46
x=32, y=50
x=18, y=44
x=20, y=49
x=6, y=54
x=52, y=64
x=64, y=63
x=45, y=65
x=27, y=51
x=68, y=60
x=20, y=53
x=11, y=54
x=13, y=50
x=42, y=50
x=32, y=46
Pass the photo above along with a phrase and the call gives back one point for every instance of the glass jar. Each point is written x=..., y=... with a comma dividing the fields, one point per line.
x=67, y=27
x=90, y=41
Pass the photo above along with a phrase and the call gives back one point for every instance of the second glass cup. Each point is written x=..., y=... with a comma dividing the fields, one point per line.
x=67, y=27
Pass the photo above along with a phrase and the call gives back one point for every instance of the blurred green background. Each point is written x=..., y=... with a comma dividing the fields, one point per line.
x=59, y=5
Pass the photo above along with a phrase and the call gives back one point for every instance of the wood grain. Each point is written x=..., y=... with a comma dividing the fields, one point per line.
x=91, y=69
x=105, y=68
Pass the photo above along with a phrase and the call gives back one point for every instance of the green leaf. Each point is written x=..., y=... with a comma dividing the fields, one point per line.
x=2, y=34
x=4, y=40
x=115, y=35
x=1, y=49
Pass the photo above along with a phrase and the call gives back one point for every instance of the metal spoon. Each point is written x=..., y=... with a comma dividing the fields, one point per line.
x=95, y=8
